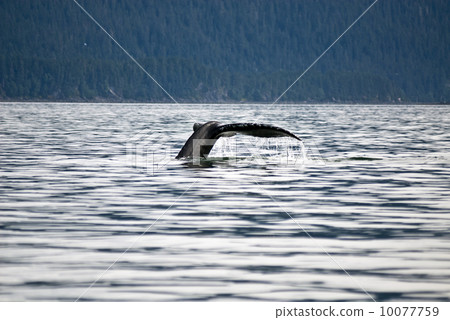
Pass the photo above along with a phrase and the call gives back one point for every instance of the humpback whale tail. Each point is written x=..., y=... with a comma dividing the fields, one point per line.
x=205, y=135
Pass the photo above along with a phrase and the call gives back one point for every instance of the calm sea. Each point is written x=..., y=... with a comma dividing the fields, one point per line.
x=94, y=207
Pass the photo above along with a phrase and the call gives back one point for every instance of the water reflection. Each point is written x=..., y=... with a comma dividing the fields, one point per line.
x=373, y=202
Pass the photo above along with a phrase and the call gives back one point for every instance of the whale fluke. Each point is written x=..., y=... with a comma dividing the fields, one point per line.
x=205, y=135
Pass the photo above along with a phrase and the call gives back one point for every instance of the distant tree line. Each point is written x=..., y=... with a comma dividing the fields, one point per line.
x=220, y=51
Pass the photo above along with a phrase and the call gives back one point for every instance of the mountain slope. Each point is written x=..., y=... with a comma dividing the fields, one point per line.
x=233, y=50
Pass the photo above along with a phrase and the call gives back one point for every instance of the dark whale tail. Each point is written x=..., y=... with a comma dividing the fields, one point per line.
x=202, y=140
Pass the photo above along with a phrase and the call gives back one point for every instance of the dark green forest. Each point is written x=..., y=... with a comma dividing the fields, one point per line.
x=225, y=51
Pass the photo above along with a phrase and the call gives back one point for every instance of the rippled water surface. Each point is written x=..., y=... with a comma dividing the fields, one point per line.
x=93, y=206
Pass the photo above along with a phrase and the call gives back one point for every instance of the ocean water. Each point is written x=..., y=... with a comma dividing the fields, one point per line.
x=93, y=207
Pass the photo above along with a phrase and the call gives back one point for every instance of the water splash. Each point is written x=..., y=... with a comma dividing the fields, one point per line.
x=284, y=150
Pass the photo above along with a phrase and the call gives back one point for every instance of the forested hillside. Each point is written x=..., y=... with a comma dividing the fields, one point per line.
x=225, y=51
